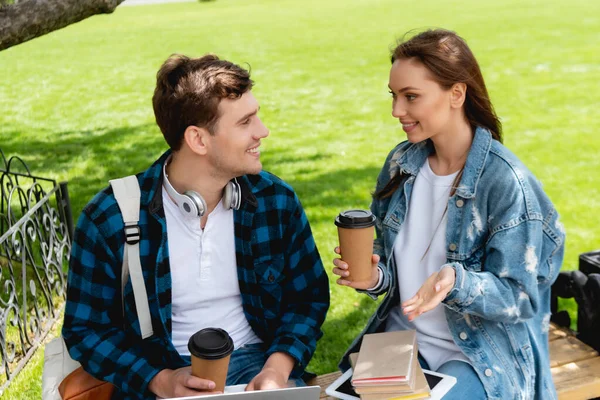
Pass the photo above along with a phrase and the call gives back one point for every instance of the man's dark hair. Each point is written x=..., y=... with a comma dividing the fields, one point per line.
x=189, y=90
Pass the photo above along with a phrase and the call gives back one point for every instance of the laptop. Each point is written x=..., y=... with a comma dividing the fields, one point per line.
x=237, y=393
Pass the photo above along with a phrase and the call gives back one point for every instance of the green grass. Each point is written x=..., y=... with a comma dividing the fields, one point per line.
x=76, y=104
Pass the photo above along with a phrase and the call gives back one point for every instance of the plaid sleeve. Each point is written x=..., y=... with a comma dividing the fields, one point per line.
x=307, y=292
x=93, y=329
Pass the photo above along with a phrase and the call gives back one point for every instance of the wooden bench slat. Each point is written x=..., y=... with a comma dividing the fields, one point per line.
x=578, y=380
x=557, y=332
x=569, y=349
x=324, y=381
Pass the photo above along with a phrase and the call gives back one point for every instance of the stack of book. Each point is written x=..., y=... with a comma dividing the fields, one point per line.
x=387, y=367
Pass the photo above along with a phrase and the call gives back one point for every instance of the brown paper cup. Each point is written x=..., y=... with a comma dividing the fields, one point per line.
x=213, y=370
x=356, y=249
x=356, y=233
x=210, y=349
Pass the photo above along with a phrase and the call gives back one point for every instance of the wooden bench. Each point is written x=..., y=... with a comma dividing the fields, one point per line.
x=575, y=368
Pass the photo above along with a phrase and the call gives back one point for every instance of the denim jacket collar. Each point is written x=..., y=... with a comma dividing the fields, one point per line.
x=411, y=160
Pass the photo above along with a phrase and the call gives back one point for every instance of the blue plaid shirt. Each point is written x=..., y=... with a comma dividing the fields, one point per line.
x=284, y=288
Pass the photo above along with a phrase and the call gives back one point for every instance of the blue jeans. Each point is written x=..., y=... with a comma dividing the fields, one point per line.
x=246, y=362
x=468, y=385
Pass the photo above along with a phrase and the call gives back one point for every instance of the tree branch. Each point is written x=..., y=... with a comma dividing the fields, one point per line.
x=29, y=19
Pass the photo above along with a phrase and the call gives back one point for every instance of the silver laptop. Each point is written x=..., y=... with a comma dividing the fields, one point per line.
x=295, y=393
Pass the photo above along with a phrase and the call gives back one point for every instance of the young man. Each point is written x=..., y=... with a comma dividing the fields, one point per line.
x=223, y=244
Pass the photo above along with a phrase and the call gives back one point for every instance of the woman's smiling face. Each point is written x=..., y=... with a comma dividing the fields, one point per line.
x=421, y=105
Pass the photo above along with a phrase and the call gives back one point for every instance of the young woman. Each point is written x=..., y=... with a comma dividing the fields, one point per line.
x=468, y=244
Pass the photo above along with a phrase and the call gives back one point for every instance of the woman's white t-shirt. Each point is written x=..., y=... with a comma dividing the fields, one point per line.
x=419, y=251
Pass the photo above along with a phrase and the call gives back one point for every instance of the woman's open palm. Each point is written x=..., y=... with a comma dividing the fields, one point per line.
x=430, y=294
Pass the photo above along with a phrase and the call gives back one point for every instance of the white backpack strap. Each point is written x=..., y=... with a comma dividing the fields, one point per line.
x=127, y=194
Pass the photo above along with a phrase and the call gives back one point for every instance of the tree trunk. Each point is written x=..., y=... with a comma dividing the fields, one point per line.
x=29, y=19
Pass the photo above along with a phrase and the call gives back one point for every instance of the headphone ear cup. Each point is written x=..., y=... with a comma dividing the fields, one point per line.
x=232, y=198
x=193, y=204
x=237, y=196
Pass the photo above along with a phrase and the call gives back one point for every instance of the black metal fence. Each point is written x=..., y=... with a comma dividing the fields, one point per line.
x=35, y=231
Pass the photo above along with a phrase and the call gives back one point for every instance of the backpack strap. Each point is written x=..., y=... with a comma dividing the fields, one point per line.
x=127, y=194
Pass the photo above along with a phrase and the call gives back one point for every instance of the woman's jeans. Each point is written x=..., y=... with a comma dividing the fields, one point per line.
x=468, y=385
x=247, y=362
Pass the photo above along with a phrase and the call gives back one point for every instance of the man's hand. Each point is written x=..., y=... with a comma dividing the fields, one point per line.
x=434, y=290
x=179, y=383
x=341, y=269
x=274, y=374
x=268, y=378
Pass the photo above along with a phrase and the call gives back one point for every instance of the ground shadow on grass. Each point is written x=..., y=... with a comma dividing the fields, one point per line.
x=88, y=158
x=324, y=194
x=331, y=192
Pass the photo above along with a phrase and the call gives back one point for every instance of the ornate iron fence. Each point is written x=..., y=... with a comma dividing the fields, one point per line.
x=35, y=231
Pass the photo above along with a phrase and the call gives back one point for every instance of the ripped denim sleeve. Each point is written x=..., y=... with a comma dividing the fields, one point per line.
x=519, y=258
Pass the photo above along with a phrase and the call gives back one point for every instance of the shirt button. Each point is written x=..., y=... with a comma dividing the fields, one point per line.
x=271, y=278
x=488, y=372
x=452, y=247
x=463, y=336
x=460, y=203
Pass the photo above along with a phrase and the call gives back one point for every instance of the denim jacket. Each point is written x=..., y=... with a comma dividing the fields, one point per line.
x=506, y=245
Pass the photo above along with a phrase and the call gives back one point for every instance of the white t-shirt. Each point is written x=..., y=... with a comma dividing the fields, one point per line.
x=205, y=290
x=423, y=228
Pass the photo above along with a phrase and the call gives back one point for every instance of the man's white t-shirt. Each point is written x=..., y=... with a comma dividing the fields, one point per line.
x=419, y=251
x=205, y=290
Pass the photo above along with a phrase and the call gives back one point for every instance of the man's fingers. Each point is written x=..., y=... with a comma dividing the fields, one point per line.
x=266, y=385
x=194, y=382
x=189, y=392
x=375, y=259
x=340, y=272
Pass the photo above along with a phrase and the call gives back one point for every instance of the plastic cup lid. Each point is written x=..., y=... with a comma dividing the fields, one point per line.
x=210, y=344
x=354, y=219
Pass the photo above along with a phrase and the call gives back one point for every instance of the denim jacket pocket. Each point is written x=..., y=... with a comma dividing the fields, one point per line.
x=269, y=276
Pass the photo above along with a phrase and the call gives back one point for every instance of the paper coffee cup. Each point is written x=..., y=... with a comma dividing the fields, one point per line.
x=211, y=349
x=356, y=230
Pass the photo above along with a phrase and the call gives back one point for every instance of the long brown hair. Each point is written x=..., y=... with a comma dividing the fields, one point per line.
x=449, y=59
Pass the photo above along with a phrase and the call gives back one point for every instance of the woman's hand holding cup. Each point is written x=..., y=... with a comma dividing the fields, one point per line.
x=357, y=265
x=341, y=269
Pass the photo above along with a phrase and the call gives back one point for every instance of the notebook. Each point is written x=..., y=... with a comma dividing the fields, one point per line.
x=420, y=389
x=386, y=358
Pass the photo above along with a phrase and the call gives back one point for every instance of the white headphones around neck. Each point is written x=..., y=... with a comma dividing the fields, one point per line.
x=192, y=204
